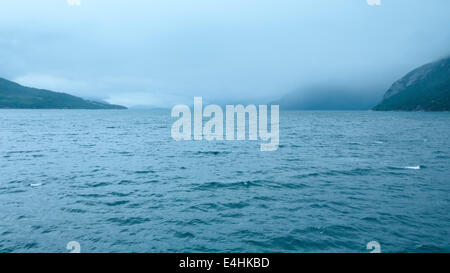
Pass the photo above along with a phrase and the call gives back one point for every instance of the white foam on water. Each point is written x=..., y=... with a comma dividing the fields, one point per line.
x=413, y=167
x=36, y=185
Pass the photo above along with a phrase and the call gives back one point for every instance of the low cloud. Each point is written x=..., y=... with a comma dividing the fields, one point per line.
x=141, y=99
x=53, y=83
x=160, y=52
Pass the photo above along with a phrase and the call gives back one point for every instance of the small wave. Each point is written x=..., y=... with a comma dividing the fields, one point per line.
x=204, y=207
x=128, y=221
x=124, y=153
x=35, y=185
x=427, y=248
x=121, y=194
x=74, y=210
x=352, y=172
x=124, y=182
x=184, y=235
x=232, y=185
x=418, y=167
x=99, y=184
x=143, y=172
x=23, y=152
x=92, y=195
x=117, y=203
x=211, y=152
x=238, y=205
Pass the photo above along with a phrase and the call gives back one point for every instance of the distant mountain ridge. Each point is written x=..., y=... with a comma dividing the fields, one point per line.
x=330, y=97
x=16, y=96
x=426, y=88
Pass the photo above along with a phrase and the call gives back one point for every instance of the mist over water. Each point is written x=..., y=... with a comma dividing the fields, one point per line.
x=115, y=181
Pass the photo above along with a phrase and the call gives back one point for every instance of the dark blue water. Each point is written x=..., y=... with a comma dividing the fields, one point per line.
x=115, y=181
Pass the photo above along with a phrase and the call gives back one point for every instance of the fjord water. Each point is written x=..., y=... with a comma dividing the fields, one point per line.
x=115, y=181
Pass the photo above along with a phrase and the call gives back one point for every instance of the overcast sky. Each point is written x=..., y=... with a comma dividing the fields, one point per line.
x=162, y=52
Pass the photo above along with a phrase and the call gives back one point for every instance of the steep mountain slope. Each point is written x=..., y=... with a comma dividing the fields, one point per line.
x=13, y=95
x=426, y=88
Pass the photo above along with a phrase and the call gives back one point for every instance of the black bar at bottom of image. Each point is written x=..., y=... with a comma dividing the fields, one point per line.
x=227, y=262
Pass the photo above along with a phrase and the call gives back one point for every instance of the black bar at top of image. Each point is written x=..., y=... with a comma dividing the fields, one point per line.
x=227, y=262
